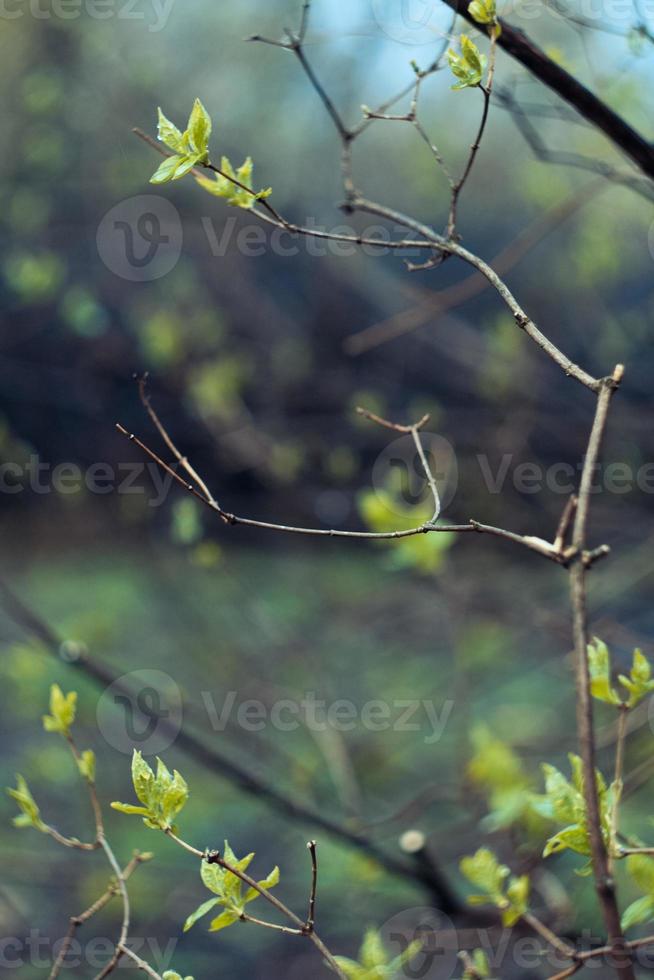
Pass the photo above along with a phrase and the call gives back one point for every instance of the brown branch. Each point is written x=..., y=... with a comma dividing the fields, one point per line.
x=311, y=917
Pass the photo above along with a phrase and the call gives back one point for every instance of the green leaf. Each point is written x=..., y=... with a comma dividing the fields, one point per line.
x=480, y=966
x=130, y=808
x=62, y=711
x=200, y=911
x=169, y=134
x=642, y=910
x=484, y=870
x=222, y=921
x=468, y=66
x=641, y=868
x=166, y=170
x=173, y=975
x=599, y=666
x=483, y=11
x=372, y=953
x=639, y=683
x=269, y=882
x=510, y=895
x=86, y=765
x=142, y=778
x=199, y=128
x=30, y=815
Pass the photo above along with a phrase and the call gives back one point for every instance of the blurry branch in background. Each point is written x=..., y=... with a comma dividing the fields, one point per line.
x=270, y=794
x=519, y=46
x=522, y=116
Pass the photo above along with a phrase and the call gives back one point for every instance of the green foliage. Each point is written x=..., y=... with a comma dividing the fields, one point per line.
x=228, y=888
x=641, y=870
x=224, y=185
x=498, y=771
x=468, y=66
x=498, y=887
x=173, y=975
x=30, y=815
x=190, y=147
x=374, y=961
x=162, y=796
x=563, y=802
x=62, y=711
x=639, y=683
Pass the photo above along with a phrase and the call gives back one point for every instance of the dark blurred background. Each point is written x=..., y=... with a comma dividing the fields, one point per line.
x=254, y=372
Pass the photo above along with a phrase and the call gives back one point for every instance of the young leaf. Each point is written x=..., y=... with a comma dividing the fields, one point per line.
x=30, y=815
x=483, y=11
x=228, y=889
x=86, y=765
x=639, y=683
x=173, y=975
x=162, y=796
x=599, y=665
x=62, y=711
x=199, y=128
x=510, y=896
x=468, y=66
x=222, y=185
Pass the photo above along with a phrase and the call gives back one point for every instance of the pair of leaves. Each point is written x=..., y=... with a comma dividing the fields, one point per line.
x=641, y=869
x=638, y=684
x=189, y=148
x=226, y=185
x=497, y=885
x=162, y=795
x=468, y=66
x=228, y=889
x=374, y=961
x=173, y=975
x=30, y=815
x=563, y=802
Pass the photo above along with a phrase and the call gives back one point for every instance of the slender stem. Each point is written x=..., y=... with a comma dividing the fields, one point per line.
x=604, y=884
x=138, y=962
x=623, y=714
x=311, y=917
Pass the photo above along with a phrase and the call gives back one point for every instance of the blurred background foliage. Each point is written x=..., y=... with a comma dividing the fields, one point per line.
x=252, y=373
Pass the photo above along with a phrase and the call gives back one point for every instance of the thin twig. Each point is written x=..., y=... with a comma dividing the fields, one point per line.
x=585, y=727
